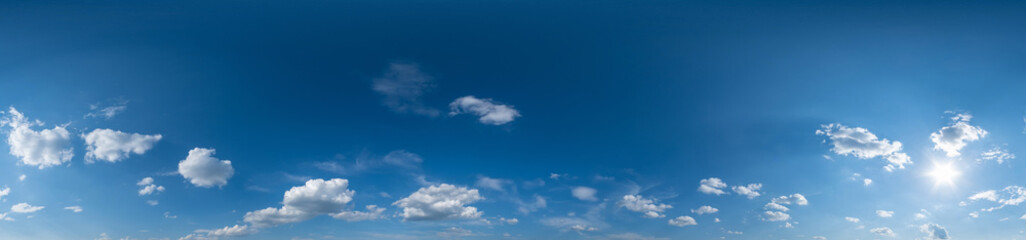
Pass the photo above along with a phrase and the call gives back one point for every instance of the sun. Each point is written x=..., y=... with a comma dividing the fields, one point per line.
x=944, y=174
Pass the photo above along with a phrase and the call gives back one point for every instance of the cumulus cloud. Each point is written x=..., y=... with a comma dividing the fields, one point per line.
x=316, y=197
x=712, y=186
x=112, y=146
x=148, y=187
x=439, y=202
x=649, y=207
x=934, y=232
x=73, y=208
x=403, y=85
x=488, y=110
x=996, y=154
x=4, y=192
x=951, y=139
x=776, y=216
x=44, y=148
x=796, y=198
x=683, y=221
x=204, y=170
x=705, y=210
x=584, y=193
x=883, y=231
x=863, y=144
x=750, y=190
x=25, y=208
x=777, y=209
x=884, y=213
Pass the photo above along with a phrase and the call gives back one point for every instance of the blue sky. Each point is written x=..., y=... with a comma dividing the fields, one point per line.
x=512, y=120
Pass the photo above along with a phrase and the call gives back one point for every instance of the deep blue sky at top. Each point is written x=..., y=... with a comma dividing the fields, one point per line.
x=667, y=92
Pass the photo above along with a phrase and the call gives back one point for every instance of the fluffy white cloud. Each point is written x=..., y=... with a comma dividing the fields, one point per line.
x=316, y=197
x=73, y=208
x=951, y=139
x=863, y=144
x=25, y=208
x=112, y=146
x=852, y=219
x=776, y=216
x=649, y=207
x=438, y=202
x=796, y=198
x=705, y=210
x=584, y=193
x=44, y=148
x=403, y=85
x=489, y=111
x=883, y=231
x=776, y=206
x=934, y=232
x=884, y=213
x=22, y=178
x=996, y=154
x=148, y=187
x=712, y=186
x=230, y=231
x=204, y=170
x=750, y=190
x=683, y=221
x=867, y=181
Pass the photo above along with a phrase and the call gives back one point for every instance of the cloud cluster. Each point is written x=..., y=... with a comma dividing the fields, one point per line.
x=863, y=144
x=204, y=170
x=148, y=187
x=777, y=207
x=403, y=85
x=649, y=207
x=996, y=154
x=112, y=146
x=316, y=197
x=951, y=139
x=44, y=148
x=712, y=186
x=750, y=190
x=1009, y=196
x=488, y=110
x=934, y=232
x=439, y=202
x=683, y=221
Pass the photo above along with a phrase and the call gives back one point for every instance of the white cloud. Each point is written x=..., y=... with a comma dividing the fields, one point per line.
x=649, y=207
x=852, y=219
x=112, y=146
x=230, y=231
x=796, y=198
x=488, y=110
x=455, y=233
x=883, y=231
x=491, y=183
x=204, y=170
x=776, y=216
x=583, y=228
x=3, y=216
x=569, y=223
x=934, y=232
x=705, y=210
x=1009, y=196
x=510, y=221
x=373, y=213
x=775, y=206
x=440, y=202
x=152, y=202
x=863, y=144
x=584, y=193
x=528, y=207
x=74, y=208
x=4, y=192
x=316, y=197
x=867, y=181
x=403, y=86
x=750, y=190
x=951, y=139
x=108, y=111
x=25, y=208
x=997, y=154
x=712, y=186
x=44, y=148
x=22, y=178
x=884, y=213
x=819, y=237
x=683, y=221
x=148, y=187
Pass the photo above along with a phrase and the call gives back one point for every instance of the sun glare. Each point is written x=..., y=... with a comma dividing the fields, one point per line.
x=944, y=174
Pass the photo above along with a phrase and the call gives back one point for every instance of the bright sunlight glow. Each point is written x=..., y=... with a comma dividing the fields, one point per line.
x=944, y=174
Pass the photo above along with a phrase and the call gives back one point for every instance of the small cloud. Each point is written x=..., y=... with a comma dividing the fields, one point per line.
x=584, y=193
x=106, y=110
x=683, y=221
x=488, y=110
x=884, y=213
x=74, y=208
